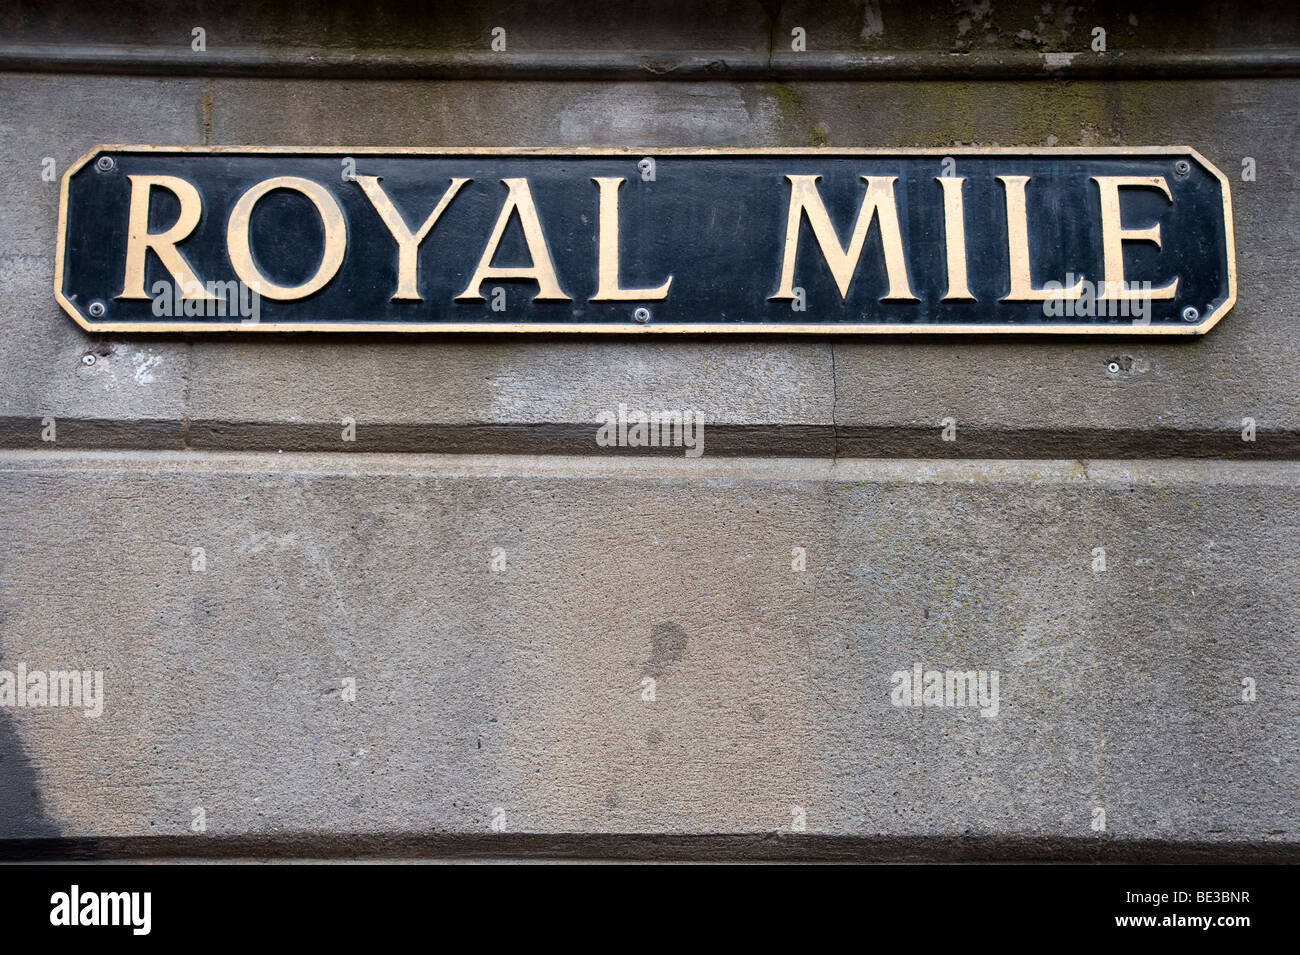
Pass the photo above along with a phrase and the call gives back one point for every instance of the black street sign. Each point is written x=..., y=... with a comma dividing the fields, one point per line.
x=1119, y=241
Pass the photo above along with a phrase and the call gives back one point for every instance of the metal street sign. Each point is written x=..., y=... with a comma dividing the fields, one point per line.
x=1111, y=241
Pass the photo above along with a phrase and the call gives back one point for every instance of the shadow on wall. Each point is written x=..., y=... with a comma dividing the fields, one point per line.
x=22, y=814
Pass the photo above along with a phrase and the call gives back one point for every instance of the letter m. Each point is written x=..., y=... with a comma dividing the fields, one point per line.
x=843, y=261
x=960, y=689
x=65, y=688
x=119, y=904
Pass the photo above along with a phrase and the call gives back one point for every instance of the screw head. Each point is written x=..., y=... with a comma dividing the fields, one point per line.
x=96, y=309
x=87, y=359
x=1190, y=314
x=1182, y=168
x=105, y=163
x=641, y=315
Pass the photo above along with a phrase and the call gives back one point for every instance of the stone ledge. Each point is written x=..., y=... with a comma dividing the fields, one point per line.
x=758, y=440
x=621, y=66
x=751, y=847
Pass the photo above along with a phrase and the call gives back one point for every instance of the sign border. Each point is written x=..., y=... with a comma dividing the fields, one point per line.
x=631, y=328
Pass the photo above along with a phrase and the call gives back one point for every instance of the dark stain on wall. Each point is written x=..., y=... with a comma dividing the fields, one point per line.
x=667, y=645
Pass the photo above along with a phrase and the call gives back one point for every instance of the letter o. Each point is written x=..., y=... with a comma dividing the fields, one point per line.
x=241, y=256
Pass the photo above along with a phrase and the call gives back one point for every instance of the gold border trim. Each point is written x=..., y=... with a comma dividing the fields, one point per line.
x=731, y=328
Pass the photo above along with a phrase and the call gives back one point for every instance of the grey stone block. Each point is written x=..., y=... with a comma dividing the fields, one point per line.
x=1010, y=397
x=522, y=690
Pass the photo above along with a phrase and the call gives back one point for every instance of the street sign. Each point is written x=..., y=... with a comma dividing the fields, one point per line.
x=752, y=241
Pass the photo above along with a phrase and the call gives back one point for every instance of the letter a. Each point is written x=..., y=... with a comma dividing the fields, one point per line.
x=542, y=271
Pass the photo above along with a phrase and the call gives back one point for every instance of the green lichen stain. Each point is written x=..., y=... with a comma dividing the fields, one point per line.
x=1046, y=112
x=793, y=108
x=1012, y=114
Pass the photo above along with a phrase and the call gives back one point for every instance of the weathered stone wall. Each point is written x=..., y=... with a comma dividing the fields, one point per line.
x=522, y=690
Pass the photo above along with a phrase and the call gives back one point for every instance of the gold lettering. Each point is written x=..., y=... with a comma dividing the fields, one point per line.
x=241, y=254
x=542, y=271
x=140, y=240
x=954, y=235
x=843, y=262
x=1114, y=235
x=408, y=242
x=608, y=289
x=1022, y=285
